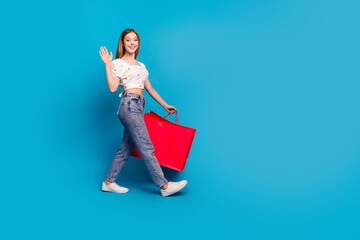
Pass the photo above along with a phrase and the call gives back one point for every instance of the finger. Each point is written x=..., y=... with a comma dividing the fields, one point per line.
x=106, y=51
x=111, y=55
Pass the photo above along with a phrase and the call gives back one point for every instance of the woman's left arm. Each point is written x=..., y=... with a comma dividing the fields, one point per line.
x=156, y=96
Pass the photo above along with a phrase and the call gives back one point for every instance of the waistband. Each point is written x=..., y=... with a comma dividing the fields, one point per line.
x=130, y=94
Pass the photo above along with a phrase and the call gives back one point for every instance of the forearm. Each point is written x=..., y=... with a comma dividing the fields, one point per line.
x=111, y=81
x=157, y=97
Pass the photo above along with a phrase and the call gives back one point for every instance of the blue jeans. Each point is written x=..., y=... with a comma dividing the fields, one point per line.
x=131, y=115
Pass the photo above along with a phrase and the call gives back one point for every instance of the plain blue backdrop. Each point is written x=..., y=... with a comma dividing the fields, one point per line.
x=272, y=88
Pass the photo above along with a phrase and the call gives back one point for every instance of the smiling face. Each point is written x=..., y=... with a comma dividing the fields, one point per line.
x=131, y=42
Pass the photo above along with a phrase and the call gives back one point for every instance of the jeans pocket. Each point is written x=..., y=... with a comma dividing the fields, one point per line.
x=136, y=106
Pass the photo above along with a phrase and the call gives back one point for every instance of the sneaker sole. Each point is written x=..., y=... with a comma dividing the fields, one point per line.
x=110, y=190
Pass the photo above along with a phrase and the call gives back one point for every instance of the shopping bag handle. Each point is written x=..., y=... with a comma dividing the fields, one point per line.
x=177, y=120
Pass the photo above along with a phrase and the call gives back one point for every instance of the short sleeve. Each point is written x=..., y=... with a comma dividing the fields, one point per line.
x=146, y=71
x=117, y=68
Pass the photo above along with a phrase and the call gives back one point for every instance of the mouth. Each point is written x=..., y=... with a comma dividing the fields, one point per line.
x=132, y=47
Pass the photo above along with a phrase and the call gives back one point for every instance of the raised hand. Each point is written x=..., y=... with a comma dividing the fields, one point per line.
x=105, y=57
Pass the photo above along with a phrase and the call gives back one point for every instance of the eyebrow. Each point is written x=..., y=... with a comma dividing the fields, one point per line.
x=130, y=38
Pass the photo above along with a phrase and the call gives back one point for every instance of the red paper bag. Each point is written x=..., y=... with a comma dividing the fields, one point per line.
x=171, y=141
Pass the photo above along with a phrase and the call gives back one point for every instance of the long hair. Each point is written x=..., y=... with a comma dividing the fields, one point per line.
x=120, y=48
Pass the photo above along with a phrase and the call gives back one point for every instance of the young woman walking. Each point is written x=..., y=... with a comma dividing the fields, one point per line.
x=132, y=77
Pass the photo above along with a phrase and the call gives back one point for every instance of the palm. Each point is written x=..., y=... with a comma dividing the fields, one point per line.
x=105, y=56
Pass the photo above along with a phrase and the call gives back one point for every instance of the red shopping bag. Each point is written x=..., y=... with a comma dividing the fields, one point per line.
x=171, y=141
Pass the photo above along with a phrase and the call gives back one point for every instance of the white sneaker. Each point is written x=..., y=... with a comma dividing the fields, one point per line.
x=113, y=187
x=173, y=187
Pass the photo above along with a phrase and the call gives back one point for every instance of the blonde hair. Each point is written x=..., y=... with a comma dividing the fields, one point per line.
x=120, y=48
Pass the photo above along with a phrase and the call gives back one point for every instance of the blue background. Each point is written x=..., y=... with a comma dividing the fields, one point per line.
x=272, y=88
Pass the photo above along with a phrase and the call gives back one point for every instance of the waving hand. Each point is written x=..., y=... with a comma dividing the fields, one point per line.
x=105, y=57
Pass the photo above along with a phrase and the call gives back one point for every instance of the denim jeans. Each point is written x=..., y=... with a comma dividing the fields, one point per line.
x=131, y=115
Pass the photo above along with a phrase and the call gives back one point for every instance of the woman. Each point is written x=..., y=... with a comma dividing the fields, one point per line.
x=132, y=76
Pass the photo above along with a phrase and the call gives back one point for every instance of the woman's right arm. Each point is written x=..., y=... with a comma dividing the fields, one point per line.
x=112, y=82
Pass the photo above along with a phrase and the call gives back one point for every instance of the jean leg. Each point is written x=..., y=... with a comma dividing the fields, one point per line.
x=138, y=132
x=121, y=157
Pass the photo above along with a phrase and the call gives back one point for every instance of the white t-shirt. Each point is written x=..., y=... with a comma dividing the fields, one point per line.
x=131, y=76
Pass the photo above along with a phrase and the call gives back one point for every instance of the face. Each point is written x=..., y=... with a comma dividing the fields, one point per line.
x=131, y=42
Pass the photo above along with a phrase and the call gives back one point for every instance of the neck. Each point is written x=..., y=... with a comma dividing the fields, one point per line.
x=128, y=55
